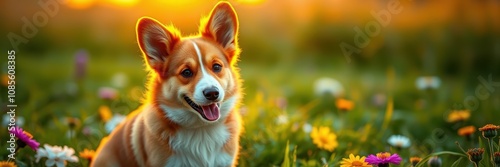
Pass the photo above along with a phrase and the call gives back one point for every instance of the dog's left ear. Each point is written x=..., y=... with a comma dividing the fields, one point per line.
x=222, y=26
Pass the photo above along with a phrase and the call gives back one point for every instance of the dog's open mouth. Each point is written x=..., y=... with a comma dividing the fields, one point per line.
x=209, y=112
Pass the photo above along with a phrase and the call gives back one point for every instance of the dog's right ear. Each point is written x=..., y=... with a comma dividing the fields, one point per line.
x=156, y=42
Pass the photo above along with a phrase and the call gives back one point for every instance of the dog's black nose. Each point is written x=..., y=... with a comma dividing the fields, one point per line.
x=211, y=93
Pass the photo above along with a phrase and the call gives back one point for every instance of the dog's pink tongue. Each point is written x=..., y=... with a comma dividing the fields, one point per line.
x=211, y=112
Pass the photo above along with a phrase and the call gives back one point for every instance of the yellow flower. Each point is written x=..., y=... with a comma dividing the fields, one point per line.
x=344, y=105
x=466, y=131
x=5, y=80
x=7, y=164
x=458, y=115
x=87, y=154
x=324, y=139
x=105, y=113
x=354, y=161
x=415, y=160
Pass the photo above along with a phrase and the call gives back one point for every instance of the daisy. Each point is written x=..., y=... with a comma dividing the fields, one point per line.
x=114, y=122
x=383, y=159
x=428, y=82
x=56, y=155
x=24, y=138
x=330, y=86
x=399, y=141
x=324, y=139
x=354, y=161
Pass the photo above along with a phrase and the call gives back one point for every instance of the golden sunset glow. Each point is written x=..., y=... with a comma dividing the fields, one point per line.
x=79, y=4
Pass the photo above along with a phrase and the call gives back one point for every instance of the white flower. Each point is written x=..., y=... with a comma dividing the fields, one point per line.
x=428, y=82
x=399, y=141
x=113, y=122
x=18, y=120
x=56, y=155
x=307, y=127
x=282, y=119
x=328, y=86
x=119, y=80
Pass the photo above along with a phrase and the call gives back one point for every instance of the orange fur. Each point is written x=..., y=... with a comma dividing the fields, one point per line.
x=153, y=134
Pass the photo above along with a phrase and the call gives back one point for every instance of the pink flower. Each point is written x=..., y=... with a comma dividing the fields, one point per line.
x=24, y=138
x=383, y=159
x=107, y=93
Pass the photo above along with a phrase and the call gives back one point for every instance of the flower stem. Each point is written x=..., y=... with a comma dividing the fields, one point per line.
x=490, y=141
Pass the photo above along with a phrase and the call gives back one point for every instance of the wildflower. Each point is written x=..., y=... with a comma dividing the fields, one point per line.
x=5, y=80
x=434, y=162
x=107, y=93
x=105, y=113
x=379, y=99
x=81, y=59
x=24, y=138
x=475, y=155
x=330, y=86
x=489, y=130
x=466, y=131
x=119, y=80
x=324, y=139
x=282, y=119
x=344, y=105
x=87, y=154
x=307, y=128
x=383, y=159
x=56, y=155
x=428, y=82
x=281, y=103
x=415, y=160
x=399, y=141
x=72, y=122
x=496, y=158
x=7, y=120
x=7, y=164
x=354, y=161
x=113, y=122
x=458, y=115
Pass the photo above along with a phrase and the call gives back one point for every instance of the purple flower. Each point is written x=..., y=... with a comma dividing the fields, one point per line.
x=107, y=93
x=383, y=159
x=81, y=59
x=24, y=138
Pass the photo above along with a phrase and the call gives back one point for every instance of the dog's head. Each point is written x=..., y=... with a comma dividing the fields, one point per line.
x=194, y=79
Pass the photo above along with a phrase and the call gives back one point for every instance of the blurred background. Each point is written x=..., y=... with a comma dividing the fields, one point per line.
x=425, y=62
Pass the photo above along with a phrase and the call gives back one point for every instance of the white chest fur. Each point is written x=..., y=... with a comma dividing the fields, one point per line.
x=200, y=147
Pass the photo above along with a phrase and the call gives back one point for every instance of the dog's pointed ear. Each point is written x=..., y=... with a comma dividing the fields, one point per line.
x=156, y=42
x=222, y=26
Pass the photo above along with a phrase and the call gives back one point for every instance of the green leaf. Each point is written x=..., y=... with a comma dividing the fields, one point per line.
x=286, y=161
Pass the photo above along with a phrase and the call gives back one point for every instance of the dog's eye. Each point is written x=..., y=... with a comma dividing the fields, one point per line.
x=216, y=67
x=186, y=73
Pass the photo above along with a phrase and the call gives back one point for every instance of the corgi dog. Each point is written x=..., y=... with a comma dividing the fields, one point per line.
x=189, y=117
